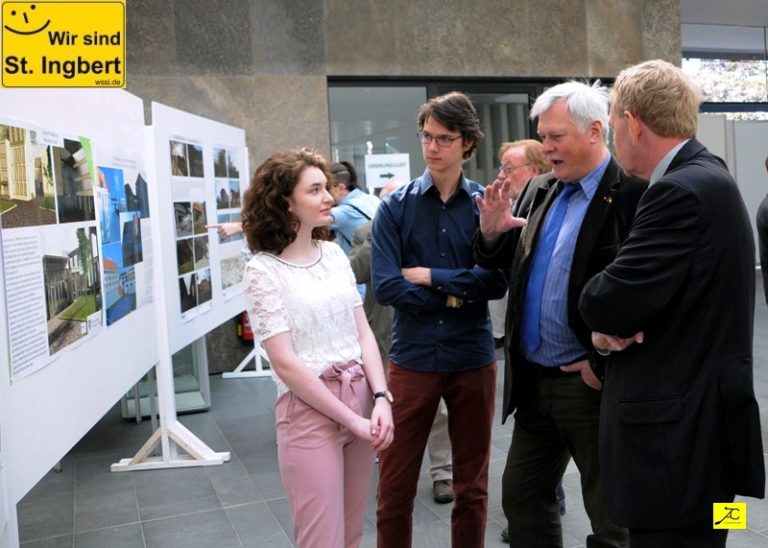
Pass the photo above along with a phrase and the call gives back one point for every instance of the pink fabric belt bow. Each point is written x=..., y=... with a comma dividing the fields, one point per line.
x=345, y=373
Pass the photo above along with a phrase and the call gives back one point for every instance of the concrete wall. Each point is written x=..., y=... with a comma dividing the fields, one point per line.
x=263, y=64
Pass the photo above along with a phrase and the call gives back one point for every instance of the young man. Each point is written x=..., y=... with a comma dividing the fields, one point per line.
x=441, y=342
x=679, y=424
x=579, y=214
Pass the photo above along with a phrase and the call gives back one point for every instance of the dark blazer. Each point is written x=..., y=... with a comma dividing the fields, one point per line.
x=761, y=222
x=679, y=424
x=606, y=224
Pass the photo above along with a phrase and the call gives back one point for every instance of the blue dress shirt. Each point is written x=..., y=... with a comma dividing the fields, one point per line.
x=559, y=345
x=413, y=227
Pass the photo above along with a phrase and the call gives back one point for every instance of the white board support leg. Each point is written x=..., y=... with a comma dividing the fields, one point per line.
x=172, y=438
x=257, y=354
x=179, y=447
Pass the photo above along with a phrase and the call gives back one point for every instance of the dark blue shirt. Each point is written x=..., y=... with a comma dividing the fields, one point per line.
x=413, y=227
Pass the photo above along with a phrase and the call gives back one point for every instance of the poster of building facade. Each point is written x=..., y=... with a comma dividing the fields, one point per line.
x=51, y=254
x=188, y=192
x=201, y=168
x=229, y=191
x=122, y=198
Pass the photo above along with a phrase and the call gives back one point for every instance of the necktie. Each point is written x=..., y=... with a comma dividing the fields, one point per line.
x=538, y=271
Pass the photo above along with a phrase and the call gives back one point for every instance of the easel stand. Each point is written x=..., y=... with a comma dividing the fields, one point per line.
x=178, y=446
x=258, y=354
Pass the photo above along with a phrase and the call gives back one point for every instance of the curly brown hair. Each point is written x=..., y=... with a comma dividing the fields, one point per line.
x=267, y=223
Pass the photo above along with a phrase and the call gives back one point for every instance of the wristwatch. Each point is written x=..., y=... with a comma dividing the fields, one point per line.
x=386, y=394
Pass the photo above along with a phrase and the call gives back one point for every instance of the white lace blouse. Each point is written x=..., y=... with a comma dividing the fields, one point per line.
x=313, y=302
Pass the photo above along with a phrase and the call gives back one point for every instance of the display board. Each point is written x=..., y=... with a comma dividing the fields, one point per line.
x=77, y=297
x=741, y=143
x=201, y=173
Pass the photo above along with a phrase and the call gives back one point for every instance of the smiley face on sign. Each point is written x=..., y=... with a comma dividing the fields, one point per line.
x=24, y=20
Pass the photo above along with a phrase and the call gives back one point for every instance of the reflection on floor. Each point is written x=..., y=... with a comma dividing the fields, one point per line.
x=242, y=503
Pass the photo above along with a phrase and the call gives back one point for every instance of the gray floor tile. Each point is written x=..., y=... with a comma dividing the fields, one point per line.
x=746, y=538
x=281, y=512
x=108, y=506
x=163, y=493
x=267, y=481
x=200, y=530
x=49, y=517
x=203, y=425
x=64, y=541
x=237, y=491
x=231, y=469
x=54, y=484
x=257, y=527
x=93, y=472
x=126, y=536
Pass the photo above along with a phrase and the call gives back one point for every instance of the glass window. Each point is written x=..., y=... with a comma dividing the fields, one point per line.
x=729, y=64
x=373, y=119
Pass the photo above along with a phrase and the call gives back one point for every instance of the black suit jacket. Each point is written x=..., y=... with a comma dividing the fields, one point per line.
x=606, y=224
x=679, y=424
x=761, y=221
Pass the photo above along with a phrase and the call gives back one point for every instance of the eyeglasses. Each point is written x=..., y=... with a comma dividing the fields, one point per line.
x=441, y=140
x=509, y=170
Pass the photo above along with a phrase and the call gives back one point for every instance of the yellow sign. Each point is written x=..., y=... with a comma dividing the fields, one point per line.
x=63, y=44
x=729, y=515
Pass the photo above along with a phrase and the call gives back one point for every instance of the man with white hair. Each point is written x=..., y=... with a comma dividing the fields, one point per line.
x=579, y=215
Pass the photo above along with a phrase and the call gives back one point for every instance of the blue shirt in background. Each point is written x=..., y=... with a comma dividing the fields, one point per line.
x=355, y=209
x=413, y=227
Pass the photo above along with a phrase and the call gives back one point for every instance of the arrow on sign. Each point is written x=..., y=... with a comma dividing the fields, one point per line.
x=386, y=175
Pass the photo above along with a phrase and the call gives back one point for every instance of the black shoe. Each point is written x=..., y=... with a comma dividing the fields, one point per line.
x=505, y=535
x=442, y=491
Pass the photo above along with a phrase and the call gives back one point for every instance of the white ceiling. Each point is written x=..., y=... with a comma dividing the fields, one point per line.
x=752, y=13
x=735, y=27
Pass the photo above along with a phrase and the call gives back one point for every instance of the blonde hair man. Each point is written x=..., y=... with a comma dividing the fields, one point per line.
x=679, y=424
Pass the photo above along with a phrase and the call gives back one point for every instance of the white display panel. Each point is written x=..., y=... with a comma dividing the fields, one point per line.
x=201, y=174
x=56, y=404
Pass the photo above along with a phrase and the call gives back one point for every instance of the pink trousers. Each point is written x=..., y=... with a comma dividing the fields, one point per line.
x=326, y=470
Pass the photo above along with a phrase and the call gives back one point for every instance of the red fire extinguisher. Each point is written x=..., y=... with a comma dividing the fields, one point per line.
x=244, y=332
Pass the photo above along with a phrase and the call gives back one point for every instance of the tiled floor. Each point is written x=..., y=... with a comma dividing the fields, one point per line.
x=242, y=503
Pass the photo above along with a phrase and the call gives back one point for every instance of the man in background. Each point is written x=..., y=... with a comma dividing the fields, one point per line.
x=520, y=162
x=354, y=206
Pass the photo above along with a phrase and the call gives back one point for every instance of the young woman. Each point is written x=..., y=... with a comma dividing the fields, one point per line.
x=333, y=407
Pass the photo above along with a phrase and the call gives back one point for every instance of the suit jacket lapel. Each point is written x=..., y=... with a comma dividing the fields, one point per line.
x=594, y=219
x=544, y=195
